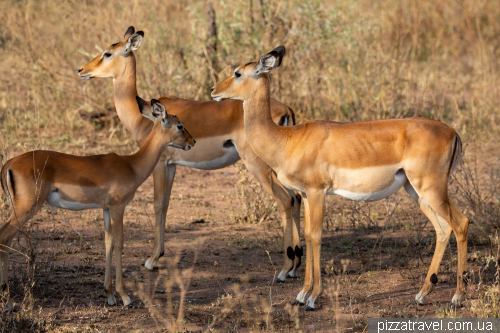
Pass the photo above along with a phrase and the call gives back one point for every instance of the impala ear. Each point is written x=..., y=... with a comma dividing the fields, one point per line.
x=134, y=41
x=130, y=31
x=158, y=110
x=271, y=60
x=145, y=108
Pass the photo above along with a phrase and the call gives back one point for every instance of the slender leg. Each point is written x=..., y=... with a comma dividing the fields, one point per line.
x=316, y=211
x=287, y=201
x=445, y=218
x=22, y=212
x=108, y=239
x=296, y=236
x=117, y=230
x=163, y=177
x=313, y=207
x=4, y=277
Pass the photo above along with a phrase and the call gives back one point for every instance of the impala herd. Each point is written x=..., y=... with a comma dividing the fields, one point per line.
x=361, y=161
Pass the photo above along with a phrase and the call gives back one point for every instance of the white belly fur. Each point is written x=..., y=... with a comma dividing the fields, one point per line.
x=55, y=201
x=399, y=181
x=231, y=156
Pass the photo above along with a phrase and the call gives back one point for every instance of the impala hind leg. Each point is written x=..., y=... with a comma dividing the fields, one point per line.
x=163, y=178
x=314, y=210
x=446, y=219
x=4, y=277
x=289, y=205
x=22, y=212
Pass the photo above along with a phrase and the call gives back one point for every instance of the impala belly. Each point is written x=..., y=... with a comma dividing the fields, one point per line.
x=208, y=154
x=55, y=201
x=368, y=184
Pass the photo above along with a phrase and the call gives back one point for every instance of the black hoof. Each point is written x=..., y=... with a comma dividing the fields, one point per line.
x=13, y=310
x=455, y=306
x=292, y=277
x=130, y=306
x=294, y=303
x=308, y=308
x=278, y=280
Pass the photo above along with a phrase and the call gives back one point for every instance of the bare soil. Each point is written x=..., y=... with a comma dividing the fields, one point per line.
x=220, y=271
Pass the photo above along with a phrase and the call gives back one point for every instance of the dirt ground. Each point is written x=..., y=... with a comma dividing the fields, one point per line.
x=219, y=271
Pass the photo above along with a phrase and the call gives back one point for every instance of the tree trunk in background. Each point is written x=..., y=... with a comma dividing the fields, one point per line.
x=211, y=47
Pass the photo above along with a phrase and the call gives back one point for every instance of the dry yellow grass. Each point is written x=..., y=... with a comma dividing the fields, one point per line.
x=346, y=61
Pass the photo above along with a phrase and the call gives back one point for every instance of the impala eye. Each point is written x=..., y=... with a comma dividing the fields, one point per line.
x=237, y=74
x=107, y=55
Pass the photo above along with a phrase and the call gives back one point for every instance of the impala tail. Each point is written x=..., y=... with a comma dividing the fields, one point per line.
x=457, y=154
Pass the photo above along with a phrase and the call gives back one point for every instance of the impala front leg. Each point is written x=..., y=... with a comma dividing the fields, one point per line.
x=108, y=240
x=163, y=178
x=117, y=229
x=316, y=211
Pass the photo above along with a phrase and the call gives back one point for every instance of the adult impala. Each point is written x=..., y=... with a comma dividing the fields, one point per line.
x=220, y=133
x=363, y=161
x=86, y=182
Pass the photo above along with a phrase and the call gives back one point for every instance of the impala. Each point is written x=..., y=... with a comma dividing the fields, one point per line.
x=220, y=134
x=362, y=161
x=73, y=182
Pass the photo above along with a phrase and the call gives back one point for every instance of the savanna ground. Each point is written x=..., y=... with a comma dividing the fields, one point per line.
x=346, y=61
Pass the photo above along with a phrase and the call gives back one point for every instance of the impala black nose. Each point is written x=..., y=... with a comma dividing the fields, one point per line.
x=194, y=141
x=213, y=88
x=80, y=70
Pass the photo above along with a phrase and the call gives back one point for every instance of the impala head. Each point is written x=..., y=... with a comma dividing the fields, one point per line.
x=245, y=79
x=172, y=128
x=112, y=61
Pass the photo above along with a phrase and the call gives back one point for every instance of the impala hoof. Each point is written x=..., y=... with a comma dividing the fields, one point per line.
x=308, y=308
x=130, y=306
x=278, y=280
x=455, y=306
x=294, y=303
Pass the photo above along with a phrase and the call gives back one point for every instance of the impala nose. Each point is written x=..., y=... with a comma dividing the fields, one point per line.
x=80, y=70
x=194, y=141
x=213, y=88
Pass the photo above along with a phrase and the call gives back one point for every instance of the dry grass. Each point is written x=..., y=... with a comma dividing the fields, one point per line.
x=346, y=61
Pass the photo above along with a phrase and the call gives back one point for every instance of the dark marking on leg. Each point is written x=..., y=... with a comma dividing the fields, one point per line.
x=290, y=254
x=298, y=251
x=228, y=144
x=161, y=254
x=299, y=199
x=4, y=286
x=292, y=201
x=434, y=279
x=465, y=278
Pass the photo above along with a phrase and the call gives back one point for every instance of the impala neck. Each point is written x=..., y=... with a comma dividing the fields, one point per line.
x=127, y=109
x=144, y=161
x=266, y=138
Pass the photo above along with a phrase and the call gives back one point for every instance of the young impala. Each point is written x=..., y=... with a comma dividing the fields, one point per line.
x=73, y=182
x=362, y=161
x=220, y=133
